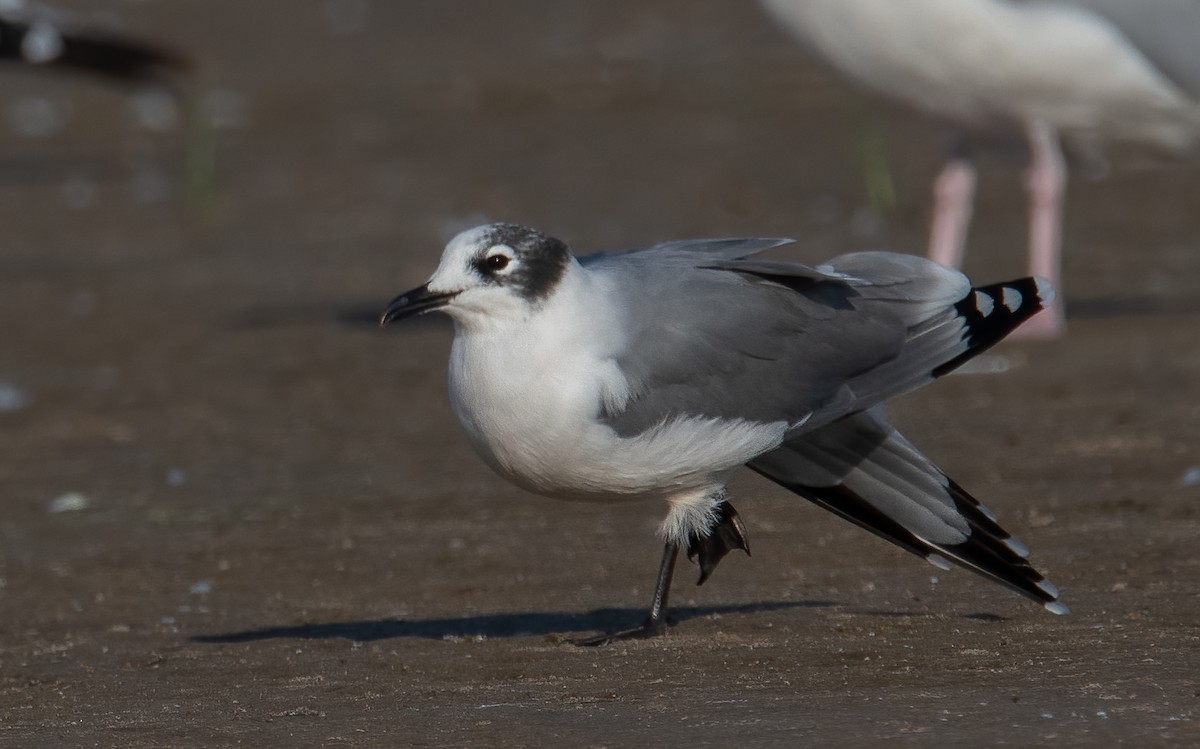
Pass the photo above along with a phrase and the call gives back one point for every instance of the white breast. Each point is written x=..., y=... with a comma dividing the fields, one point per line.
x=529, y=394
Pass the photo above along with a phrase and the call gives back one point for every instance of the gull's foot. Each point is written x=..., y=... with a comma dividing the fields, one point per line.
x=726, y=535
x=650, y=628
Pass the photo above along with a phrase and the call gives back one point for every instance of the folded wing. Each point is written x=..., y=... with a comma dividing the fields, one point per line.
x=862, y=469
x=709, y=333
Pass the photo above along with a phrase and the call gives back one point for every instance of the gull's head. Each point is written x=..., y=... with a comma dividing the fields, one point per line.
x=492, y=271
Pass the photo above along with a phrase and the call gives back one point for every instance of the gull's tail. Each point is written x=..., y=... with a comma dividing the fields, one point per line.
x=949, y=322
x=862, y=469
x=989, y=313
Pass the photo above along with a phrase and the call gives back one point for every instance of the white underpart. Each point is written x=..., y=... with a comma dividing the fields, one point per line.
x=987, y=62
x=529, y=386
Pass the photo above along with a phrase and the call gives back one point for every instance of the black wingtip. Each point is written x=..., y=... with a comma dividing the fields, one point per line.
x=989, y=313
x=989, y=550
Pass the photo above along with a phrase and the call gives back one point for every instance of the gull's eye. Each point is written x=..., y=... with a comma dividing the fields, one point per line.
x=496, y=262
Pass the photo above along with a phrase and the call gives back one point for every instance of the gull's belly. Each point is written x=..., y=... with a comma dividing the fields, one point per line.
x=535, y=422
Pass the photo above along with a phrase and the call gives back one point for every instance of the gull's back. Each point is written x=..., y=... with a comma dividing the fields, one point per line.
x=710, y=333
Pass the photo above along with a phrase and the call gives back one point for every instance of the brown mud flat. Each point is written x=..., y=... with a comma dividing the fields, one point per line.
x=283, y=540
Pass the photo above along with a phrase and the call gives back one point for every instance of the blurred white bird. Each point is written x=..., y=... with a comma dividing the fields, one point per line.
x=1084, y=70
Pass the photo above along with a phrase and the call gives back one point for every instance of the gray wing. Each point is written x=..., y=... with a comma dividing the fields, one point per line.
x=687, y=252
x=1165, y=32
x=862, y=469
x=765, y=341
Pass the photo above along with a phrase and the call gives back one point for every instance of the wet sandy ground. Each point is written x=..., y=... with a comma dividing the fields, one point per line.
x=281, y=538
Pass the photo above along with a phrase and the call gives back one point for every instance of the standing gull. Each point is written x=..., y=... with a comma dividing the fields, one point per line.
x=657, y=373
x=1085, y=70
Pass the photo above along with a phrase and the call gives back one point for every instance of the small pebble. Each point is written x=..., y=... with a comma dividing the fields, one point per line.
x=156, y=109
x=12, y=398
x=69, y=502
x=1191, y=477
x=348, y=16
x=150, y=187
x=79, y=193
x=38, y=116
x=226, y=109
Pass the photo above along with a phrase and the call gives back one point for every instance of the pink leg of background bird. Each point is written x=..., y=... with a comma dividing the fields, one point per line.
x=1047, y=181
x=953, y=196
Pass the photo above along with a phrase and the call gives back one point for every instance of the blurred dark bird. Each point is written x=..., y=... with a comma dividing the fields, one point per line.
x=1082, y=70
x=36, y=36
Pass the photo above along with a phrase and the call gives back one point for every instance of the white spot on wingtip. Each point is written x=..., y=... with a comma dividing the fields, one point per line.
x=939, y=561
x=984, y=303
x=1011, y=299
x=1048, y=588
x=987, y=513
x=1058, y=608
x=1018, y=548
x=1045, y=290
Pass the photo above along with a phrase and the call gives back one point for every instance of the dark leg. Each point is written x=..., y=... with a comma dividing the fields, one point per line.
x=656, y=621
x=726, y=535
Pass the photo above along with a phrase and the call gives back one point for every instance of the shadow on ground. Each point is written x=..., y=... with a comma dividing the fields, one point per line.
x=521, y=624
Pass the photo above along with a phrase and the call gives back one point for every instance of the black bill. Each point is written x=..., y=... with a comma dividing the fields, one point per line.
x=415, y=302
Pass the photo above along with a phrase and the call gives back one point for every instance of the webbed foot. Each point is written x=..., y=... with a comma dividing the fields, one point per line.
x=727, y=534
x=656, y=621
x=652, y=627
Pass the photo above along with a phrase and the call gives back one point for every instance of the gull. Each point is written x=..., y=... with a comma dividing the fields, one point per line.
x=1084, y=70
x=656, y=373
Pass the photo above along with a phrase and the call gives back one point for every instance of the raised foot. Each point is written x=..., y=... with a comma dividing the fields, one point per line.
x=727, y=534
x=649, y=628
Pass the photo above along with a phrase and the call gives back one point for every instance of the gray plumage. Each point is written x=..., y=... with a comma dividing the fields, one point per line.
x=656, y=373
x=802, y=344
x=864, y=470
